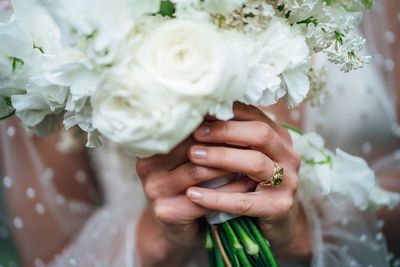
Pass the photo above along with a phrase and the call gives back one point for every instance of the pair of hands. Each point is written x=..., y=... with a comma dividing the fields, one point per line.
x=249, y=144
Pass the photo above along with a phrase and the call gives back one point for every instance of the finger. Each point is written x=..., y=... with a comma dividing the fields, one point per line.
x=160, y=163
x=178, y=180
x=241, y=185
x=178, y=211
x=254, y=134
x=260, y=204
x=252, y=163
x=251, y=113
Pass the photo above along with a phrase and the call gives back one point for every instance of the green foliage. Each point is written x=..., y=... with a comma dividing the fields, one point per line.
x=16, y=63
x=167, y=8
x=310, y=20
x=339, y=37
x=38, y=48
x=368, y=3
x=6, y=109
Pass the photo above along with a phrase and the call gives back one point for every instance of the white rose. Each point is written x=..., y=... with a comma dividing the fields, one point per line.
x=145, y=122
x=192, y=58
x=160, y=93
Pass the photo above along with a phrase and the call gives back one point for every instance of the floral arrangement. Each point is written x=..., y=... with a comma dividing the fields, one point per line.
x=144, y=73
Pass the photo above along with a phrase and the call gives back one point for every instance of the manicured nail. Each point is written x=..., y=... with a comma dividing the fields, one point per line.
x=199, y=153
x=203, y=131
x=194, y=194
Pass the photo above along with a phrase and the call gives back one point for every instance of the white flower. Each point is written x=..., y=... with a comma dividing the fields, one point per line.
x=34, y=51
x=162, y=90
x=338, y=175
x=352, y=177
x=211, y=6
x=283, y=54
x=222, y=6
x=196, y=59
x=144, y=120
x=186, y=57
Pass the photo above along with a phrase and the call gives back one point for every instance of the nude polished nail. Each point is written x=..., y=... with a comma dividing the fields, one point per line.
x=203, y=131
x=195, y=195
x=199, y=153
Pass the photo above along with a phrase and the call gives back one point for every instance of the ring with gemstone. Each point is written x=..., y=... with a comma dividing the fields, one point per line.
x=276, y=178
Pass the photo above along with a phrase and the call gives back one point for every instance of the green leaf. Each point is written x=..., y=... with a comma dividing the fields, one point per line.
x=368, y=3
x=167, y=8
x=310, y=20
x=6, y=110
x=16, y=62
x=339, y=37
x=329, y=2
x=38, y=48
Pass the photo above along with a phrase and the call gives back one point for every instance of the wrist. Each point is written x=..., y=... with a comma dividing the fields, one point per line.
x=156, y=248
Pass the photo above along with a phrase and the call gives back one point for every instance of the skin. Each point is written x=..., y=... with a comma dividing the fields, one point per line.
x=218, y=148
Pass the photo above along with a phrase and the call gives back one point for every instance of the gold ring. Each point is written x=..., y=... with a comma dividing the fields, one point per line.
x=276, y=178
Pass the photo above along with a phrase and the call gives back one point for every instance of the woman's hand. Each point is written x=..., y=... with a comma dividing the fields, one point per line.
x=250, y=144
x=169, y=229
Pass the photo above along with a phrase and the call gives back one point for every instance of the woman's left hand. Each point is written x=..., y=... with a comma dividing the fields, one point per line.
x=251, y=144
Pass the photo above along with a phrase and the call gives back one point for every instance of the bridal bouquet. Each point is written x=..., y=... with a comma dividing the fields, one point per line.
x=144, y=73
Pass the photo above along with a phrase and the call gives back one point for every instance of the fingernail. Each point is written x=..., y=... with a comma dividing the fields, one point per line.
x=199, y=153
x=203, y=131
x=194, y=194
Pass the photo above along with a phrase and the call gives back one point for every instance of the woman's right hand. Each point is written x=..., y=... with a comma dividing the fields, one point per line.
x=169, y=229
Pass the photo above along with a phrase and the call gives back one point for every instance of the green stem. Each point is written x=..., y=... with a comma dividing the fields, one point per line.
x=262, y=242
x=291, y=128
x=209, y=245
x=246, y=228
x=251, y=247
x=244, y=261
x=228, y=246
x=219, y=261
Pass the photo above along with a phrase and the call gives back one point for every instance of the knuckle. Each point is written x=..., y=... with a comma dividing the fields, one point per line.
x=294, y=182
x=243, y=205
x=221, y=155
x=152, y=191
x=225, y=129
x=258, y=165
x=264, y=133
x=284, y=134
x=163, y=214
x=285, y=206
x=294, y=160
x=216, y=202
x=196, y=173
x=143, y=167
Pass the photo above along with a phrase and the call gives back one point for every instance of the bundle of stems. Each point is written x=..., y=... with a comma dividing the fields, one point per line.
x=238, y=243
